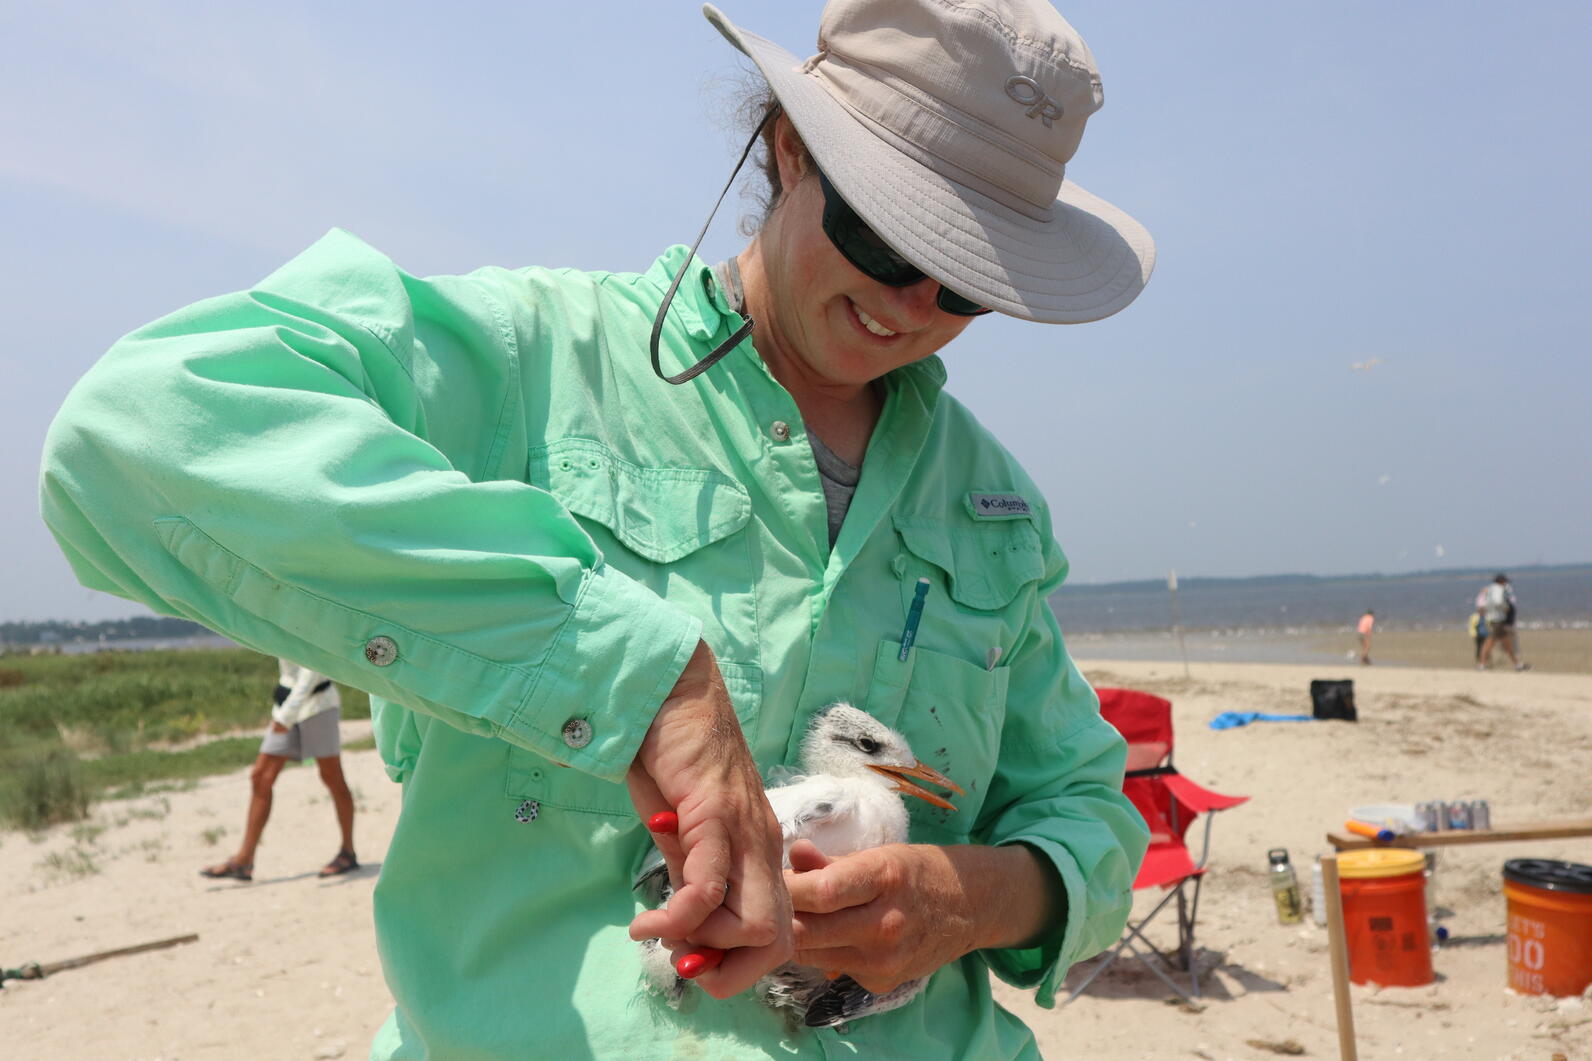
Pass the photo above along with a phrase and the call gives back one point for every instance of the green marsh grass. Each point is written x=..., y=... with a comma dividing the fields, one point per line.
x=75, y=728
x=43, y=788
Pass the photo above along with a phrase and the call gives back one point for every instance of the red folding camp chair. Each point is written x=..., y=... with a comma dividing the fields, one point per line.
x=1169, y=803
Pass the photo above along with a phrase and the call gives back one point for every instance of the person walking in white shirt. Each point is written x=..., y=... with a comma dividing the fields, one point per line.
x=304, y=720
x=1496, y=604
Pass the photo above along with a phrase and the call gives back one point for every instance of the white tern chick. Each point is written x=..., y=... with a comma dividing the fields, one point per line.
x=848, y=799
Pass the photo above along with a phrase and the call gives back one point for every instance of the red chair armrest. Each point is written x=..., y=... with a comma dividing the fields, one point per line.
x=1198, y=798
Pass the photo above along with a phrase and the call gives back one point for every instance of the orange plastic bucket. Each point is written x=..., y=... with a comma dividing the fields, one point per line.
x=1550, y=926
x=1384, y=916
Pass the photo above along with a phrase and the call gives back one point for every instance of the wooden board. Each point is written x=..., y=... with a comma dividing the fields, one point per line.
x=1535, y=831
x=1338, y=950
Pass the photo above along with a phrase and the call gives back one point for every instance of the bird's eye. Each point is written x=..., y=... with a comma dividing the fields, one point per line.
x=868, y=744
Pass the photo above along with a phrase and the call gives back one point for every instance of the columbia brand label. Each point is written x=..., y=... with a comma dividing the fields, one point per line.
x=999, y=506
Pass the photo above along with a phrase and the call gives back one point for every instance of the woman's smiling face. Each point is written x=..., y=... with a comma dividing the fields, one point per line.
x=830, y=322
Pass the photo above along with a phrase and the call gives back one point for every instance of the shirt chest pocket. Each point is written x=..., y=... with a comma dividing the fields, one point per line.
x=951, y=713
x=948, y=698
x=681, y=532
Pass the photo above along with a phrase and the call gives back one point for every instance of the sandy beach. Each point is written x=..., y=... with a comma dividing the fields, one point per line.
x=1555, y=651
x=285, y=966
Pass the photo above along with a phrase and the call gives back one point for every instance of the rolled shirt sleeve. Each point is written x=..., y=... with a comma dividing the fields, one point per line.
x=1058, y=789
x=285, y=466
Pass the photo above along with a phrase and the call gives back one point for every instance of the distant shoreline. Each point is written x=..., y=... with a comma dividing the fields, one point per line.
x=48, y=632
x=1552, y=649
x=14, y=634
x=85, y=646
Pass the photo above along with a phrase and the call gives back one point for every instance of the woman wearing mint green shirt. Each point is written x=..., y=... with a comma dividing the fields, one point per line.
x=583, y=587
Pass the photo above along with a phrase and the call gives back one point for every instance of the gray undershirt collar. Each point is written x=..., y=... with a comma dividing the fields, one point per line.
x=839, y=480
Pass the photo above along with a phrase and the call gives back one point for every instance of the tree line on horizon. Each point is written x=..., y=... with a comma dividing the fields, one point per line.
x=56, y=631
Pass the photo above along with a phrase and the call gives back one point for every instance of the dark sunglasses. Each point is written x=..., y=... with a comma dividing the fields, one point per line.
x=862, y=247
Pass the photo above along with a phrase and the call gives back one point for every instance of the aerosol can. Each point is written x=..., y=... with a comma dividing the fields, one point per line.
x=1284, y=887
x=1318, y=893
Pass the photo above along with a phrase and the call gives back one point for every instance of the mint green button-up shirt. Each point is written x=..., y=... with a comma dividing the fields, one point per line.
x=472, y=497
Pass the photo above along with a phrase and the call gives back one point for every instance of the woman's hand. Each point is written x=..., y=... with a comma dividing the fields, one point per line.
x=891, y=914
x=724, y=862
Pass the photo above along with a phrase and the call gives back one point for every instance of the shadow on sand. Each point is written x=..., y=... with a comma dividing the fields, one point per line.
x=1130, y=979
x=366, y=869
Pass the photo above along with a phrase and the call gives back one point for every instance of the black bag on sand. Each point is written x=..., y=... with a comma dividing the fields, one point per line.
x=1333, y=698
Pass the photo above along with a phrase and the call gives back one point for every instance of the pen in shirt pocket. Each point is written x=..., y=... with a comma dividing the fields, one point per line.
x=909, y=633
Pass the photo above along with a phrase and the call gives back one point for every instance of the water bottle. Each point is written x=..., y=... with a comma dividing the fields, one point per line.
x=1284, y=887
x=1318, y=893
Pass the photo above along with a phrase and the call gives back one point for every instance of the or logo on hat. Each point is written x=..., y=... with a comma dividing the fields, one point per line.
x=1026, y=90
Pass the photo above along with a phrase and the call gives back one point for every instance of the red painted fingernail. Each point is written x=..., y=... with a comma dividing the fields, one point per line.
x=692, y=965
x=665, y=821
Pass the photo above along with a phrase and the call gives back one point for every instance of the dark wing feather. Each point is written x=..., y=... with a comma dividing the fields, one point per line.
x=844, y=999
x=652, y=880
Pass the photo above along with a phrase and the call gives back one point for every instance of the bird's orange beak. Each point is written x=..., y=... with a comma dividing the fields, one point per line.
x=899, y=775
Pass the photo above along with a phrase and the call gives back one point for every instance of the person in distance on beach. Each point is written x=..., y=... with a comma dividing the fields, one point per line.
x=1367, y=624
x=1496, y=604
x=573, y=529
x=305, y=710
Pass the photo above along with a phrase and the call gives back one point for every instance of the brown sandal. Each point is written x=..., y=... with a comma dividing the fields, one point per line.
x=345, y=862
x=231, y=869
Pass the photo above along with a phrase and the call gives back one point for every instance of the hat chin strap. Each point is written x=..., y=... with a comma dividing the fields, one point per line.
x=745, y=329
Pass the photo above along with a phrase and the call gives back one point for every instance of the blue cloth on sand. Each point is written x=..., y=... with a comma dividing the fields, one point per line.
x=1234, y=719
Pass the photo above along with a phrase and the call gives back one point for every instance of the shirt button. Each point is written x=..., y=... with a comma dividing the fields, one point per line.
x=381, y=650
x=780, y=430
x=577, y=733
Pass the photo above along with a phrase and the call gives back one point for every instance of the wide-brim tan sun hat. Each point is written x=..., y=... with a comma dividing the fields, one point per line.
x=947, y=126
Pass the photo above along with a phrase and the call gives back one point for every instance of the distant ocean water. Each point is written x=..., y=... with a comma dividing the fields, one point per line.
x=1550, y=597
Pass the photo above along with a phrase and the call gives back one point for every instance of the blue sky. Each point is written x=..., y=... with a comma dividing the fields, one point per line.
x=1395, y=186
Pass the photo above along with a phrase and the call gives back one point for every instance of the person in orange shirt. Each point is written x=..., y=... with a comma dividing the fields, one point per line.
x=1367, y=624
